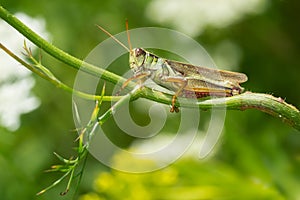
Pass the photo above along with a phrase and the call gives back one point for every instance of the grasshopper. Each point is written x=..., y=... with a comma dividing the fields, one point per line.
x=183, y=79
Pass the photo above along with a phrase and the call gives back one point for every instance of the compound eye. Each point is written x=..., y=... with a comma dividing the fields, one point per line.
x=139, y=52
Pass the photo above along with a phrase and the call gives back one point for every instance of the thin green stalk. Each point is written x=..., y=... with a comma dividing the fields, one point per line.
x=126, y=98
x=53, y=184
x=43, y=72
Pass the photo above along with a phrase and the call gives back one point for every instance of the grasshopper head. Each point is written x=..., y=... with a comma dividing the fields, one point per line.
x=136, y=59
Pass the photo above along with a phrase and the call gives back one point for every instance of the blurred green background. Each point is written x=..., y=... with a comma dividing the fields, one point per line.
x=259, y=156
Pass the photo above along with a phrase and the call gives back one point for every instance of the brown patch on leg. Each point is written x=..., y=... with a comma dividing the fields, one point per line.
x=173, y=107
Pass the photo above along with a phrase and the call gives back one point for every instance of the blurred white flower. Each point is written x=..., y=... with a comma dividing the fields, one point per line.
x=161, y=140
x=193, y=16
x=16, y=81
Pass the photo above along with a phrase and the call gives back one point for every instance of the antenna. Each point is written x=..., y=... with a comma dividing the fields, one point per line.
x=128, y=36
x=113, y=37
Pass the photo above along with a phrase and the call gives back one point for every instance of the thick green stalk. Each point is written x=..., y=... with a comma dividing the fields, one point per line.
x=56, y=52
x=269, y=104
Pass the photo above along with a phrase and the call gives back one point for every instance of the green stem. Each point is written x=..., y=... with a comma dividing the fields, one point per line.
x=56, y=52
x=43, y=72
x=126, y=98
x=269, y=104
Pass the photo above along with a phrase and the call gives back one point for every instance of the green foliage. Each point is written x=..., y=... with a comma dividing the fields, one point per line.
x=186, y=179
x=259, y=156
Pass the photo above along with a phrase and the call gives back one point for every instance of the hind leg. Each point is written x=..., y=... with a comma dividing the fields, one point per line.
x=182, y=82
